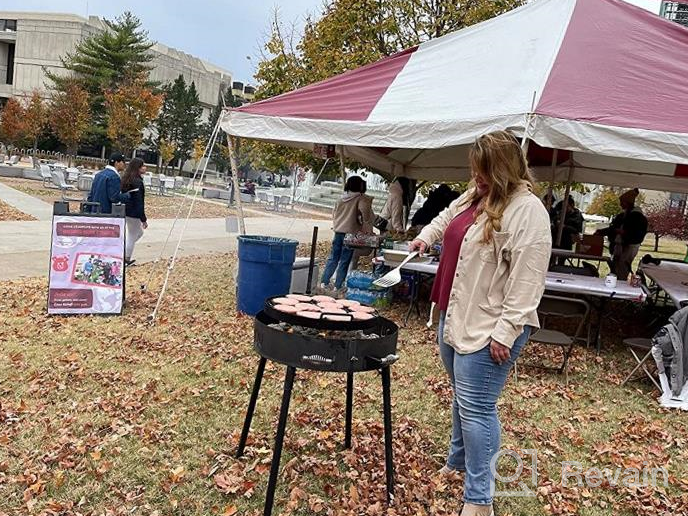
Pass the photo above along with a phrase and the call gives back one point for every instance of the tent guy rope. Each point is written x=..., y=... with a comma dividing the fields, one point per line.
x=154, y=268
x=170, y=267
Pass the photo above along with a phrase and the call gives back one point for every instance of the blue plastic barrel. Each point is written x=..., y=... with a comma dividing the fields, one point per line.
x=265, y=265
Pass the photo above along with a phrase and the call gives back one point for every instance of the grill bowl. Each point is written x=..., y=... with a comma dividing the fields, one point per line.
x=325, y=354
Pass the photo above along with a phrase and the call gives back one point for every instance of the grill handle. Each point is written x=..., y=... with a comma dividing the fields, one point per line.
x=317, y=359
x=385, y=361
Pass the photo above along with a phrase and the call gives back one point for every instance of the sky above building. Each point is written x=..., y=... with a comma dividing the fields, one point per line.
x=228, y=33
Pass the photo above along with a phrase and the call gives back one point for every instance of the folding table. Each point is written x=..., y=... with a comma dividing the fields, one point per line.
x=671, y=277
x=594, y=287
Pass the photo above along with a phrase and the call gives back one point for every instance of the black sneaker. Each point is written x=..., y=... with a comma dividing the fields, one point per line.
x=129, y=263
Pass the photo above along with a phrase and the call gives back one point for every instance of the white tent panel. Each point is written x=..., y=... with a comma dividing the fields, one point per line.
x=467, y=85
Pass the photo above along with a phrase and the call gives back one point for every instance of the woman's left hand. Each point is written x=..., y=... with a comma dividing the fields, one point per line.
x=499, y=352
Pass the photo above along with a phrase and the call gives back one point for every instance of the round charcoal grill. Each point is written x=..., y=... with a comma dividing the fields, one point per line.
x=324, y=350
x=335, y=346
x=323, y=323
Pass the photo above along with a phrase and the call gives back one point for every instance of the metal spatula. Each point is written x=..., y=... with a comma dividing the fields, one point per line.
x=394, y=276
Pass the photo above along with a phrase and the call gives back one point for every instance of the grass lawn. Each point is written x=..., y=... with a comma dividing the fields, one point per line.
x=108, y=415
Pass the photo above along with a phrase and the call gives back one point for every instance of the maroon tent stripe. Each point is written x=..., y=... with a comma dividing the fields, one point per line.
x=619, y=66
x=350, y=96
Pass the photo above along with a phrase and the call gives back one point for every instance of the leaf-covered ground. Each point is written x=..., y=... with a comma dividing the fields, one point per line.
x=110, y=416
x=8, y=212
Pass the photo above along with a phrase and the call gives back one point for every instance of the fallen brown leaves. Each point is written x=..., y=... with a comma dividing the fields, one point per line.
x=110, y=416
x=8, y=212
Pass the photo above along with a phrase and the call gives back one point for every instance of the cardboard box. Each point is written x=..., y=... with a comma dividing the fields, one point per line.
x=592, y=245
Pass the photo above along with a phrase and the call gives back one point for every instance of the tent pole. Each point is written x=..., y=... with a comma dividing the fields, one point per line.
x=562, y=216
x=555, y=155
x=342, y=167
x=526, y=132
x=235, y=182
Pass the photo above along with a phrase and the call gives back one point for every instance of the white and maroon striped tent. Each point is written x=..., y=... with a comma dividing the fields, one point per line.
x=603, y=81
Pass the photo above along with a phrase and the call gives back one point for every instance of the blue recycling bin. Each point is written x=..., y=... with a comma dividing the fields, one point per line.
x=265, y=266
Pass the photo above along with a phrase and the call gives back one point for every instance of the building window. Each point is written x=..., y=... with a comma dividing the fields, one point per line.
x=10, y=64
x=8, y=25
x=675, y=11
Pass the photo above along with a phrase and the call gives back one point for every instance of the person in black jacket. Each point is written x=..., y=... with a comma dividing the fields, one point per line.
x=438, y=199
x=135, y=207
x=626, y=233
x=573, y=224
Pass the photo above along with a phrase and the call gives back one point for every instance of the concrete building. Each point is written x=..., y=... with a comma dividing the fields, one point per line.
x=675, y=11
x=32, y=42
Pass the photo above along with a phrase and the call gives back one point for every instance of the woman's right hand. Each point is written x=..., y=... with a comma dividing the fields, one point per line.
x=418, y=245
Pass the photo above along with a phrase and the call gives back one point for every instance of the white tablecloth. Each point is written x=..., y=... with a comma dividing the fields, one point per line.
x=586, y=285
x=671, y=277
x=565, y=283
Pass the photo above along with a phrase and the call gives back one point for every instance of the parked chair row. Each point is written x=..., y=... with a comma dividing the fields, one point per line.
x=274, y=202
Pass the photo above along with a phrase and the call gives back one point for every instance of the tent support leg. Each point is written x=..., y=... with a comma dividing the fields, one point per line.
x=555, y=156
x=562, y=217
x=342, y=167
x=231, y=144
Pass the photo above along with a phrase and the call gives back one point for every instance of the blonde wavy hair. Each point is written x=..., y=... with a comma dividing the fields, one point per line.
x=499, y=159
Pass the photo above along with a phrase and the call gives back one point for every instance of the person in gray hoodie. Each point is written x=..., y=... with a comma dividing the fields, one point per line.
x=352, y=213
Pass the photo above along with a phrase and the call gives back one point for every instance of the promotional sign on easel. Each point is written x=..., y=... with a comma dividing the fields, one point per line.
x=86, y=262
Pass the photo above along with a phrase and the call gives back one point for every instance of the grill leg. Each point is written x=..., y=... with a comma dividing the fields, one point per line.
x=349, y=409
x=251, y=407
x=387, y=410
x=279, y=439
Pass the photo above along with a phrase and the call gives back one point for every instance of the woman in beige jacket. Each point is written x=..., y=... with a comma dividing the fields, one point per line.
x=495, y=253
x=352, y=213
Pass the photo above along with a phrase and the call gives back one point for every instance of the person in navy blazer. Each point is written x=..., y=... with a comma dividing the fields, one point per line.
x=106, y=187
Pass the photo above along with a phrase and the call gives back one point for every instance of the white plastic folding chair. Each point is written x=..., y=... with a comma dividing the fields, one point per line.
x=72, y=174
x=168, y=185
x=83, y=184
x=46, y=175
x=59, y=181
x=282, y=202
x=155, y=185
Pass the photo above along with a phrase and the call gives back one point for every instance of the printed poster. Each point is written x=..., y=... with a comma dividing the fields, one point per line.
x=86, y=265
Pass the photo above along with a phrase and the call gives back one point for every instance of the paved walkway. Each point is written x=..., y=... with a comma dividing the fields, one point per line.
x=25, y=246
x=26, y=203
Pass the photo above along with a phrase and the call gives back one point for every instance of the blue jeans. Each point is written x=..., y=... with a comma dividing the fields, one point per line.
x=477, y=381
x=339, y=260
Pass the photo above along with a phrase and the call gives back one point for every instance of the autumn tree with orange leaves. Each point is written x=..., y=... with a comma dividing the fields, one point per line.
x=36, y=118
x=70, y=115
x=130, y=108
x=12, y=123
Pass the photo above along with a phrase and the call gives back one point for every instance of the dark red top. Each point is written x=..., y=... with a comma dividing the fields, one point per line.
x=451, y=247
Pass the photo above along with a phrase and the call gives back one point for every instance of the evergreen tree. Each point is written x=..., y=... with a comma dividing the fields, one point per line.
x=179, y=121
x=220, y=154
x=106, y=61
